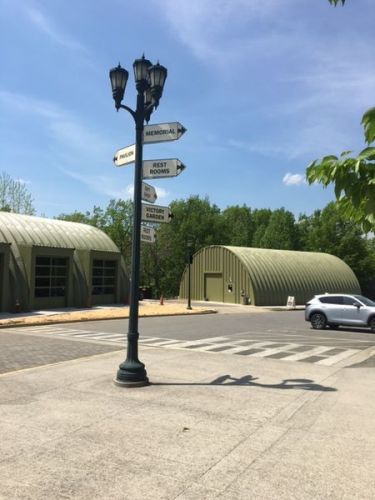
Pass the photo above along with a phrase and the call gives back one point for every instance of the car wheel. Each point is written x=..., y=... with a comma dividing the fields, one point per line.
x=318, y=321
x=372, y=324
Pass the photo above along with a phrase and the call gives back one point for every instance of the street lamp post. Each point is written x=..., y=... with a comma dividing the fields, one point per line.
x=149, y=81
x=189, y=256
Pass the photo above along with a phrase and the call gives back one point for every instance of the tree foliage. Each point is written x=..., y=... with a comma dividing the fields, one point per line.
x=202, y=223
x=353, y=177
x=14, y=196
x=354, y=180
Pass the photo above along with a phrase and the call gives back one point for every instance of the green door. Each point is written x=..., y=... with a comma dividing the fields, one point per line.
x=213, y=287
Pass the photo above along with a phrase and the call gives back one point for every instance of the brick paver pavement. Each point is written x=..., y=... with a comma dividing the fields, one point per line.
x=18, y=351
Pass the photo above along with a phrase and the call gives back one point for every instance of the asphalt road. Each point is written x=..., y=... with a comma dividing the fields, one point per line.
x=282, y=326
x=279, y=335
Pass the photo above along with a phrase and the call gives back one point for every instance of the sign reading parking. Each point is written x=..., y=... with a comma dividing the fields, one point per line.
x=155, y=213
x=156, y=169
x=161, y=132
x=124, y=156
x=148, y=193
x=147, y=234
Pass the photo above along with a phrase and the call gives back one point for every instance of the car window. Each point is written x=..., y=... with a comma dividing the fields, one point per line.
x=350, y=301
x=365, y=300
x=332, y=299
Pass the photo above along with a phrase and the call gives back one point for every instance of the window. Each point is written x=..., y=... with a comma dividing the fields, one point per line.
x=103, y=277
x=350, y=301
x=332, y=299
x=51, y=275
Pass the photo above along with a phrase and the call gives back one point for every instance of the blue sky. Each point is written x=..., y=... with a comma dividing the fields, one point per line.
x=263, y=87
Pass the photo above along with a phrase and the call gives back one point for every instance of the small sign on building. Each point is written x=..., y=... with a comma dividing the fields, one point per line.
x=291, y=302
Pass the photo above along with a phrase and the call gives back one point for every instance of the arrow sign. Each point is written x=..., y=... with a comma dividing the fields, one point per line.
x=124, y=156
x=155, y=213
x=147, y=234
x=161, y=132
x=148, y=193
x=156, y=169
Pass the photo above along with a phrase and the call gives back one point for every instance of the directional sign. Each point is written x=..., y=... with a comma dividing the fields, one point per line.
x=155, y=213
x=156, y=169
x=161, y=132
x=124, y=156
x=148, y=193
x=147, y=234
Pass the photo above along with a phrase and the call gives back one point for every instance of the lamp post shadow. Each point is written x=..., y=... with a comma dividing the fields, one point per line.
x=250, y=381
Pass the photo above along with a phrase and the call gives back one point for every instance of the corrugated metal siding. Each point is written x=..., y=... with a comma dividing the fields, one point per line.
x=267, y=276
x=27, y=230
x=276, y=274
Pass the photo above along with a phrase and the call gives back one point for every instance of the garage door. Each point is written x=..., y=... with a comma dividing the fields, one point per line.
x=213, y=287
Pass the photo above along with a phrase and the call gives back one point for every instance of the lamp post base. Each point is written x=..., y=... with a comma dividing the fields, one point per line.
x=121, y=383
x=131, y=374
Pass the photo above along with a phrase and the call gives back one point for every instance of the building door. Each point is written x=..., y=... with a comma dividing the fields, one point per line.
x=213, y=287
x=103, y=281
x=51, y=282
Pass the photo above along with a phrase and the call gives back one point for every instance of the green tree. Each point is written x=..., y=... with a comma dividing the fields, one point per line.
x=261, y=218
x=281, y=231
x=14, y=196
x=353, y=177
x=238, y=226
x=329, y=231
x=163, y=262
x=83, y=218
x=115, y=220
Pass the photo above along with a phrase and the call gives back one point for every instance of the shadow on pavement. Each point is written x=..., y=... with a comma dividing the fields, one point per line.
x=248, y=380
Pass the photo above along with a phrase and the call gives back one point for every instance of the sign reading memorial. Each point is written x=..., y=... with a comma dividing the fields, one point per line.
x=157, y=169
x=161, y=132
x=155, y=213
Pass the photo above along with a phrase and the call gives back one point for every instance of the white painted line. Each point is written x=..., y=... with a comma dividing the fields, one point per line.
x=231, y=347
x=307, y=354
x=188, y=343
x=162, y=343
x=337, y=357
x=74, y=332
x=144, y=340
x=106, y=336
x=269, y=352
x=43, y=329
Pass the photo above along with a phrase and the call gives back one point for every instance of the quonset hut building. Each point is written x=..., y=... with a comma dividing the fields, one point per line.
x=264, y=277
x=47, y=263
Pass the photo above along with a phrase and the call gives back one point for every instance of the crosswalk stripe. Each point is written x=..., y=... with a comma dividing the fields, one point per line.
x=275, y=350
x=250, y=346
x=307, y=354
x=337, y=357
x=191, y=343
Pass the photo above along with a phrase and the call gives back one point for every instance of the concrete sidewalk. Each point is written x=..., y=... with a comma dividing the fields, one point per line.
x=209, y=426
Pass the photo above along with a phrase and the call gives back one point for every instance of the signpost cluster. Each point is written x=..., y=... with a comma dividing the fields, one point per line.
x=153, y=169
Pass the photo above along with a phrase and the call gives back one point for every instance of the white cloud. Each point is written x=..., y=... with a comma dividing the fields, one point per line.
x=61, y=124
x=202, y=25
x=102, y=184
x=46, y=25
x=293, y=179
x=161, y=192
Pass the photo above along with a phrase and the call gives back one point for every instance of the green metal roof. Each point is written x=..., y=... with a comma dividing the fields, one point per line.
x=274, y=271
x=27, y=230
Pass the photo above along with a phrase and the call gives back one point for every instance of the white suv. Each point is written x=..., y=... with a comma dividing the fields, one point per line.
x=337, y=309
